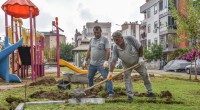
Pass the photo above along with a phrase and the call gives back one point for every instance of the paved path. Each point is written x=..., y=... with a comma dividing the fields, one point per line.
x=50, y=70
x=183, y=73
x=5, y=87
x=53, y=70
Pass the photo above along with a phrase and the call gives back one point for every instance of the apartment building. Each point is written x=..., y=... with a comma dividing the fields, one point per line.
x=150, y=24
x=157, y=19
x=131, y=29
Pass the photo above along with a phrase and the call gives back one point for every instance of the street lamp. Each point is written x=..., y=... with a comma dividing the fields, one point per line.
x=117, y=24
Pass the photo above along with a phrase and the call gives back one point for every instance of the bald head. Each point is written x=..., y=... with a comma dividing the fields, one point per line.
x=117, y=34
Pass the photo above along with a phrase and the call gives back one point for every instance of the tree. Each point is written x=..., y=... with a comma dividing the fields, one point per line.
x=66, y=51
x=187, y=21
x=153, y=53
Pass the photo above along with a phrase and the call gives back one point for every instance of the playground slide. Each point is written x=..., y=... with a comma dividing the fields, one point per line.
x=4, y=61
x=72, y=67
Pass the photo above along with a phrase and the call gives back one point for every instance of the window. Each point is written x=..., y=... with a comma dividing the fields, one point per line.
x=163, y=22
x=161, y=5
x=148, y=13
x=165, y=4
x=156, y=41
x=155, y=9
x=171, y=22
x=155, y=24
x=162, y=42
x=175, y=3
x=149, y=28
x=149, y=43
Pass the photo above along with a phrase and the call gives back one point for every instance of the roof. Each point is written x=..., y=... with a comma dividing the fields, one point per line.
x=85, y=40
x=50, y=33
x=20, y=8
x=101, y=24
x=83, y=47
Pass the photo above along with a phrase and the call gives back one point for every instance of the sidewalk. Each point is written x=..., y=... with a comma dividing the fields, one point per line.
x=170, y=72
x=50, y=70
x=6, y=87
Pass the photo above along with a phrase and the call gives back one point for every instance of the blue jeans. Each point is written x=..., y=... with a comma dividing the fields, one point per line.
x=91, y=73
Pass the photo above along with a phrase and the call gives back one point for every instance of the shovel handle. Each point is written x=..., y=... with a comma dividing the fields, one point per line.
x=132, y=67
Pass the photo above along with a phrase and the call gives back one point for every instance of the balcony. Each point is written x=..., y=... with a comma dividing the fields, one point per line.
x=167, y=31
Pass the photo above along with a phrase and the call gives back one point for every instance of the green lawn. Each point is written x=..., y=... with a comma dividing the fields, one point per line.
x=186, y=96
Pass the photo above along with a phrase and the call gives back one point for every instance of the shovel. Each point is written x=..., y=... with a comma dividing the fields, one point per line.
x=81, y=92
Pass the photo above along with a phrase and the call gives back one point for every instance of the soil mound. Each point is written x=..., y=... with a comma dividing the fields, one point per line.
x=45, y=81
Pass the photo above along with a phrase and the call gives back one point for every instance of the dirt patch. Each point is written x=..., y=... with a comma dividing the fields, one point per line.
x=45, y=81
x=13, y=102
x=165, y=94
x=101, y=92
x=140, y=94
x=53, y=95
x=160, y=101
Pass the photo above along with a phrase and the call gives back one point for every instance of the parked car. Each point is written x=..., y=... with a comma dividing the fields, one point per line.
x=176, y=65
x=187, y=68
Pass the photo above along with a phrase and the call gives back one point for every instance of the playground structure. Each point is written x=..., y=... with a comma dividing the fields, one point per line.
x=4, y=61
x=31, y=51
x=72, y=67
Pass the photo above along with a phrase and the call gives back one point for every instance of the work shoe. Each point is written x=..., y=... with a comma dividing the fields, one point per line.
x=130, y=99
x=151, y=95
x=110, y=96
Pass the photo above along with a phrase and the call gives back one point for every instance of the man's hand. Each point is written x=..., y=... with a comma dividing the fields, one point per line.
x=110, y=75
x=141, y=60
x=85, y=64
x=105, y=65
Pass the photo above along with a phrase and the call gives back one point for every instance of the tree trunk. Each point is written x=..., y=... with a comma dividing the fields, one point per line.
x=195, y=67
x=190, y=77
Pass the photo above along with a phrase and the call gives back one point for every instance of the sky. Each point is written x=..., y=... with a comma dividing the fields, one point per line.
x=73, y=14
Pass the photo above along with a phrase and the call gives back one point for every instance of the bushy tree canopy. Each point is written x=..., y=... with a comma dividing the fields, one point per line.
x=66, y=51
x=153, y=53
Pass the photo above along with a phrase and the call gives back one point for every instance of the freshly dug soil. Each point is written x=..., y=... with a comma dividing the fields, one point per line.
x=45, y=81
x=53, y=95
x=165, y=94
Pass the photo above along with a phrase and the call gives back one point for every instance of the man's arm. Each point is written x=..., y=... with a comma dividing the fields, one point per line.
x=88, y=54
x=112, y=66
x=113, y=59
x=107, y=53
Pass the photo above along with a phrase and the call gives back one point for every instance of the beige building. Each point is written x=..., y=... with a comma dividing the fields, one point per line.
x=50, y=39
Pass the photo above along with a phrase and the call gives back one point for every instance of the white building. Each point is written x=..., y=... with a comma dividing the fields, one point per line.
x=157, y=19
x=151, y=21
